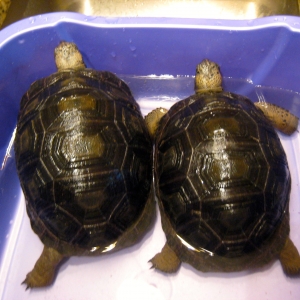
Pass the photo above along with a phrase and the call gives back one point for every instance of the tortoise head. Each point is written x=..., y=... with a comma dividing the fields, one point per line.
x=67, y=56
x=208, y=77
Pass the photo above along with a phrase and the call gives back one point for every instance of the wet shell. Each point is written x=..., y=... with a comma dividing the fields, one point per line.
x=221, y=174
x=83, y=156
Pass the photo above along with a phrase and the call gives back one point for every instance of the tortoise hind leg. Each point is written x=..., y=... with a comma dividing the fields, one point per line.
x=44, y=269
x=166, y=261
x=290, y=258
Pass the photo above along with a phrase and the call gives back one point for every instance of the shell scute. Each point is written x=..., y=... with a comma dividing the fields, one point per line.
x=232, y=184
x=82, y=137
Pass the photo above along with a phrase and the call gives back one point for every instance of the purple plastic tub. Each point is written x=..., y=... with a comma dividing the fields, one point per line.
x=157, y=58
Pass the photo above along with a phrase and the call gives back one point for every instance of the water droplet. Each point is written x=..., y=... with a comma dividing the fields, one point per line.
x=113, y=54
x=132, y=48
x=31, y=20
x=111, y=20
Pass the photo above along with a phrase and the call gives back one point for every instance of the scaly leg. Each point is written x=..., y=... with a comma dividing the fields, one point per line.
x=281, y=119
x=290, y=258
x=44, y=269
x=166, y=261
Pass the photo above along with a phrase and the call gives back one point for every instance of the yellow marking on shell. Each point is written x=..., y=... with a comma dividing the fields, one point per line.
x=82, y=103
x=153, y=119
x=79, y=147
x=281, y=118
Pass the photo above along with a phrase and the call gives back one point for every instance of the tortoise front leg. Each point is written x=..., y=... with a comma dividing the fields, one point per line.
x=44, y=269
x=153, y=119
x=281, y=118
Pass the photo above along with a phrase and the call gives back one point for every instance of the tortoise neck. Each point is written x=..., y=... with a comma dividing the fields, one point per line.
x=73, y=68
x=208, y=90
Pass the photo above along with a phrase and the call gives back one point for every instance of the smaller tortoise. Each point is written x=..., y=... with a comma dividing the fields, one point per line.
x=83, y=155
x=222, y=180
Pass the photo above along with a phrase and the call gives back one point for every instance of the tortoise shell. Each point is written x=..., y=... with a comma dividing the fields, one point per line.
x=221, y=173
x=83, y=156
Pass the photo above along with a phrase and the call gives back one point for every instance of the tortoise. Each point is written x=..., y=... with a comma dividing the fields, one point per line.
x=83, y=155
x=222, y=180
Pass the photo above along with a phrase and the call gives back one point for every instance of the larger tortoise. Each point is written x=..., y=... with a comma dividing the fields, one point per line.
x=222, y=180
x=83, y=156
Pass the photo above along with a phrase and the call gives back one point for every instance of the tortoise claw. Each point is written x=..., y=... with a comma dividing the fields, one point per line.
x=25, y=282
x=166, y=261
x=44, y=269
